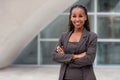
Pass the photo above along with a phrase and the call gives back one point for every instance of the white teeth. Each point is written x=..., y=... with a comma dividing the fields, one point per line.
x=77, y=23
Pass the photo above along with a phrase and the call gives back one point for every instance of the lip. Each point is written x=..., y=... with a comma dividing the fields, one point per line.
x=77, y=23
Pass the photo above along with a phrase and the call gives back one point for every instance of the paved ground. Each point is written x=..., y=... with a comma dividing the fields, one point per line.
x=51, y=73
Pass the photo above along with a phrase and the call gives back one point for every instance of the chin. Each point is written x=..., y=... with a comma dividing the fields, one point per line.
x=78, y=27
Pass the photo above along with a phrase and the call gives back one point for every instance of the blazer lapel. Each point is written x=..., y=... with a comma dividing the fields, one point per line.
x=83, y=38
x=66, y=40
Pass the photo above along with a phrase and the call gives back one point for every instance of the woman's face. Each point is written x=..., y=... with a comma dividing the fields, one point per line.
x=78, y=17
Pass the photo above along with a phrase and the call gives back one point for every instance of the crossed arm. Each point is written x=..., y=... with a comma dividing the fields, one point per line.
x=77, y=60
x=60, y=50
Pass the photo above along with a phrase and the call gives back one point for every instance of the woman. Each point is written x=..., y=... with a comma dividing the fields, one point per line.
x=76, y=48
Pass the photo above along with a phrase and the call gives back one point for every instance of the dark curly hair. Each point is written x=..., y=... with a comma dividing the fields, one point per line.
x=86, y=25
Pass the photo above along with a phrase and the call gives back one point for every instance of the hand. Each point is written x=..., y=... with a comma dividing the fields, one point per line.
x=82, y=55
x=77, y=56
x=60, y=50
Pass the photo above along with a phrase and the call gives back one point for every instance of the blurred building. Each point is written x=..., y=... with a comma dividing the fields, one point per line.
x=104, y=16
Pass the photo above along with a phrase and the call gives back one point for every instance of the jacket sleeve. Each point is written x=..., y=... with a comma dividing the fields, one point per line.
x=61, y=58
x=90, y=54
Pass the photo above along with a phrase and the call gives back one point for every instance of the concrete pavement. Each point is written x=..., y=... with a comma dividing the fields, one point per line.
x=51, y=73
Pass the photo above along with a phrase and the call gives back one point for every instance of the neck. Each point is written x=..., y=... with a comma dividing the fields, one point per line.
x=80, y=30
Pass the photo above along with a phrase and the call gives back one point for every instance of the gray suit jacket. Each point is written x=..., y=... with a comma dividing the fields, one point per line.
x=87, y=44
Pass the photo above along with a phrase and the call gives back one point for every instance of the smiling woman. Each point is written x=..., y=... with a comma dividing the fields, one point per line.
x=76, y=48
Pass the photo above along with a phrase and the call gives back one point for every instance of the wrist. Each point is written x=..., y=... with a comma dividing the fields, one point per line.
x=75, y=57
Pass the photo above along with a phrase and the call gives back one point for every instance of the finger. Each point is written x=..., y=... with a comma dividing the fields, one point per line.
x=58, y=50
x=61, y=48
x=57, y=47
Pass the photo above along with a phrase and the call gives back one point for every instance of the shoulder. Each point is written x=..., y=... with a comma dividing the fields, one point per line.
x=64, y=34
x=92, y=35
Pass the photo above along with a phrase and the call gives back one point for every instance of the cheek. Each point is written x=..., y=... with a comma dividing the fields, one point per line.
x=84, y=19
x=72, y=19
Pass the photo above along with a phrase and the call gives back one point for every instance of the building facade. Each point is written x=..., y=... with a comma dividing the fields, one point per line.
x=104, y=16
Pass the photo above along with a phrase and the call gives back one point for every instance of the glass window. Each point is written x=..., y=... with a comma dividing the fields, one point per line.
x=29, y=54
x=108, y=5
x=108, y=26
x=54, y=29
x=46, y=49
x=91, y=19
x=89, y=4
x=108, y=53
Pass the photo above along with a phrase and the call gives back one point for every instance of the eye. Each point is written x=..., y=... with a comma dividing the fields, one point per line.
x=80, y=16
x=74, y=16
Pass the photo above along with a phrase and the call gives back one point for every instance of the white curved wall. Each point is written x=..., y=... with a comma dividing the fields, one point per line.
x=22, y=20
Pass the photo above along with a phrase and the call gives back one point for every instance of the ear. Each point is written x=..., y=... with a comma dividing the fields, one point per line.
x=70, y=18
x=85, y=18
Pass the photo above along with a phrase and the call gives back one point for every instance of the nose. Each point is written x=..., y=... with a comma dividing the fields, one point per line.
x=77, y=18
